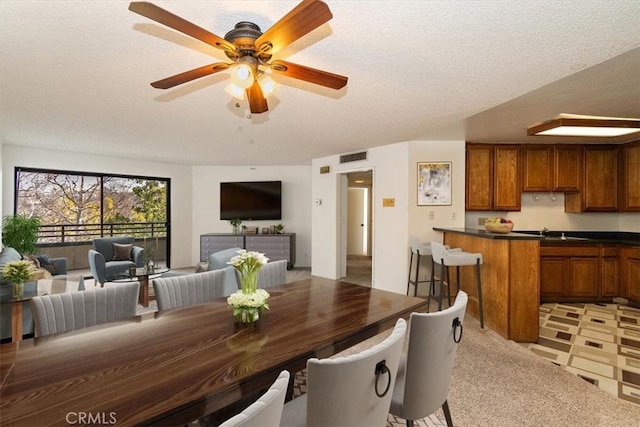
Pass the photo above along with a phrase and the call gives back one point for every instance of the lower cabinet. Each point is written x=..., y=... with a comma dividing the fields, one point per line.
x=572, y=273
x=274, y=246
x=630, y=273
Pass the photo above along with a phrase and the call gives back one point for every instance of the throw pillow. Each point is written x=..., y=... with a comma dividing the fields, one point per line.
x=122, y=252
x=202, y=267
x=34, y=260
x=47, y=265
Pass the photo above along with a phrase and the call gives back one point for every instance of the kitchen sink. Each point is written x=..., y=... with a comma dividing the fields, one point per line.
x=563, y=238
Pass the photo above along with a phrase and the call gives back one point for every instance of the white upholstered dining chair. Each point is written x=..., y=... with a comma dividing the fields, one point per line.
x=424, y=372
x=188, y=289
x=267, y=410
x=64, y=312
x=272, y=274
x=349, y=391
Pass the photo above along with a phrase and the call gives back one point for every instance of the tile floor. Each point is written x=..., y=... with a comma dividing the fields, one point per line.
x=598, y=342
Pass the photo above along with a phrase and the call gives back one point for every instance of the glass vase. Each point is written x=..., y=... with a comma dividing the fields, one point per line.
x=18, y=290
x=247, y=315
x=249, y=283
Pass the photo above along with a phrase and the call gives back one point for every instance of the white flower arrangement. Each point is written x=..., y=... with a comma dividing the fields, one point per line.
x=257, y=299
x=249, y=302
x=248, y=264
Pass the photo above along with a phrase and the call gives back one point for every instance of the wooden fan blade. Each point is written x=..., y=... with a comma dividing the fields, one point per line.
x=257, y=102
x=308, y=74
x=301, y=20
x=187, y=76
x=162, y=16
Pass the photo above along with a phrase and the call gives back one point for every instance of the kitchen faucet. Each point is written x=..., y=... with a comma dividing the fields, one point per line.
x=544, y=230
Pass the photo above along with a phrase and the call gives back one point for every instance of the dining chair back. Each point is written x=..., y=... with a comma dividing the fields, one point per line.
x=188, y=289
x=272, y=274
x=350, y=391
x=424, y=373
x=64, y=312
x=267, y=410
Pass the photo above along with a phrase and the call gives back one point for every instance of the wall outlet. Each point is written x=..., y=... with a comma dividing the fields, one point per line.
x=482, y=220
x=432, y=215
x=454, y=216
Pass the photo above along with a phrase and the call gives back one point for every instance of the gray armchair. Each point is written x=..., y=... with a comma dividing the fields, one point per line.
x=112, y=256
x=218, y=261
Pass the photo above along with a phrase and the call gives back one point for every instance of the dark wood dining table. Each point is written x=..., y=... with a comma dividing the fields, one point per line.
x=172, y=367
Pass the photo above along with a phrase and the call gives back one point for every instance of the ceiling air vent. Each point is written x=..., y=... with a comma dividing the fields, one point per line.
x=353, y=157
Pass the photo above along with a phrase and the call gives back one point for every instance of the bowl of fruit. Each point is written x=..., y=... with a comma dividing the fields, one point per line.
x=499, y=225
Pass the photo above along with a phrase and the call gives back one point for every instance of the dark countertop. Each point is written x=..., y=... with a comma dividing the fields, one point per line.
x=488, y=235
x=554, y=237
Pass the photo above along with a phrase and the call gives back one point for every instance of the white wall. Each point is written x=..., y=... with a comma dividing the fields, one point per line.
x=394, y=176
x=420, y=224
x=546, y=212
x=181, y=188
x=296, y=202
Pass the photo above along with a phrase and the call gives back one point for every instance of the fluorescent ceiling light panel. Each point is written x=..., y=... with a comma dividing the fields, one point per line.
x=585, y=126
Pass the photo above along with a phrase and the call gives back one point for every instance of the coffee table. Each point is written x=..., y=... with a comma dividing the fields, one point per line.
x=143, y=275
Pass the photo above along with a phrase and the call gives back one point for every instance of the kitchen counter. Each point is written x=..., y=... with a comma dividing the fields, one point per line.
x=614, y=237
x=510, y=279
x=489, y=235
x=553, y=236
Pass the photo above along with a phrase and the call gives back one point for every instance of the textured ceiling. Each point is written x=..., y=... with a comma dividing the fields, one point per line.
x=74, y=75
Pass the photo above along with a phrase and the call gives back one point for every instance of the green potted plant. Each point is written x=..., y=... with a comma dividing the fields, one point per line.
x=279, y=228
x=21, y=233
x=18, y=272
x=235, y=223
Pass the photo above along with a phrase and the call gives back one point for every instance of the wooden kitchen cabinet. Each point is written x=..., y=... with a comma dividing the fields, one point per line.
x=553, y=168
x=599, y=192
x=493, y=178
x=578, y=273
x=567, y=168
x=610, y=276
x=507, y=181
x=554, y=273
x=583, y=279
x=629, y=162
x=479, y=177
x=537, y=168
x=630, y=273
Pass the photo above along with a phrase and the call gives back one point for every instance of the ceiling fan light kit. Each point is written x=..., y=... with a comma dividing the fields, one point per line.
x=585, y=126
x=250, y=51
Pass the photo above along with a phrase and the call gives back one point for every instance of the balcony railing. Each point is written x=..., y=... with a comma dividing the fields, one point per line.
x=74, y=233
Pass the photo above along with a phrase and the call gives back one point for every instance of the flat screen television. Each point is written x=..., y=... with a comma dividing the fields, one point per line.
x=255, y=200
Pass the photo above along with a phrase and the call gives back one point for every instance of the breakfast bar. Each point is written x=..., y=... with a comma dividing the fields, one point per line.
x=510, y=279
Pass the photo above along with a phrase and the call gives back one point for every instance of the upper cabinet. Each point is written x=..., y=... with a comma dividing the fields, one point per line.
x=538, y=167
x=594, y=178
x=493, y=178
x=567, y=168
x=599, y=192
x=552, y=168
x=629, y=164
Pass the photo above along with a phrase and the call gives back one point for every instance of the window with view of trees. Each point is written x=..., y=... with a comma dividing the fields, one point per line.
x=78, y=207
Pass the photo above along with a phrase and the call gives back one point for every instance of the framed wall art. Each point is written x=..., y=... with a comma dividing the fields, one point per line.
x=434, y=183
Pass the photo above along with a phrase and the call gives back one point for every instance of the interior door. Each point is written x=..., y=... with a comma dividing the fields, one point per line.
x=356, y=209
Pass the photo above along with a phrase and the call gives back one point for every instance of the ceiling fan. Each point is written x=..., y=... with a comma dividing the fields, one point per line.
x=250, y=50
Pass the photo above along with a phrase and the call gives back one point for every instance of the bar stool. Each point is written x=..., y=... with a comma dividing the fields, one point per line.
x=419, y=249
x=446, y=257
